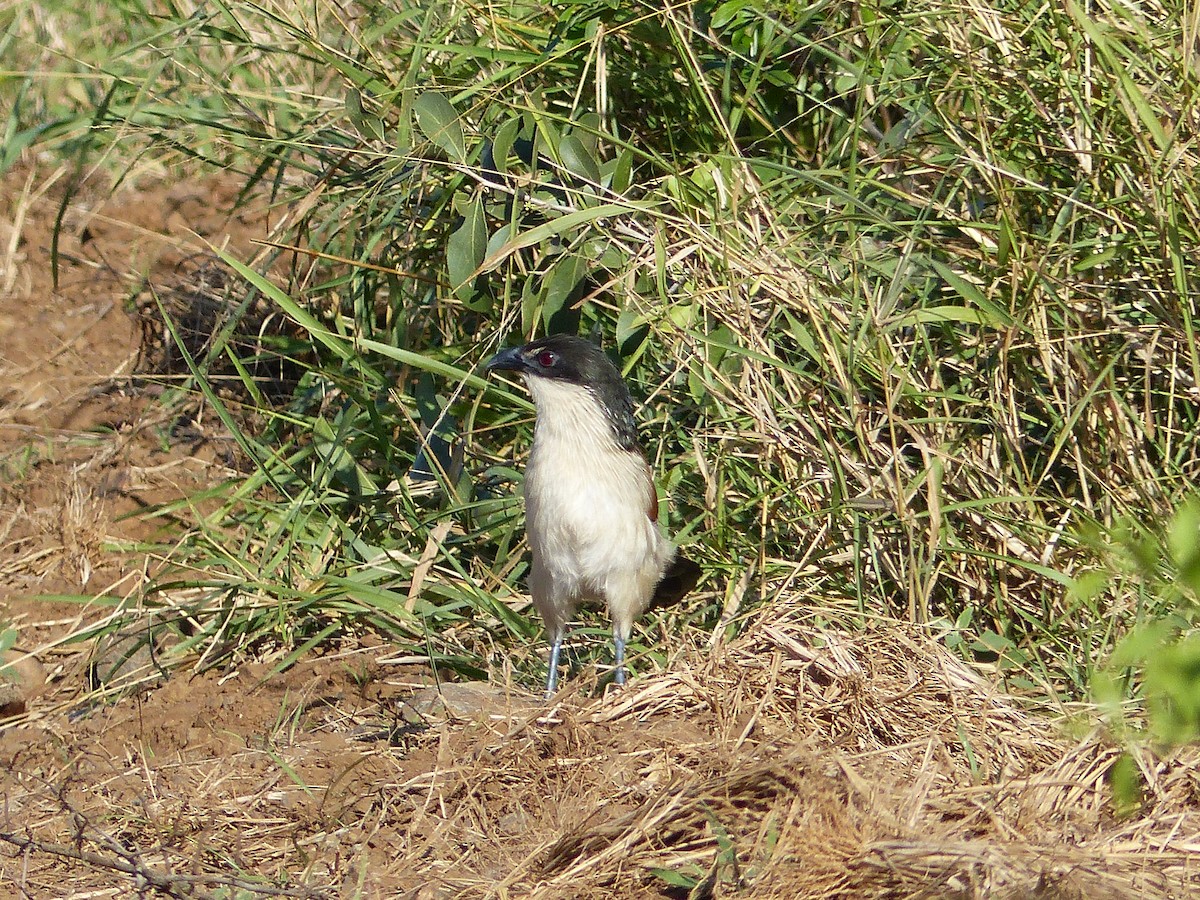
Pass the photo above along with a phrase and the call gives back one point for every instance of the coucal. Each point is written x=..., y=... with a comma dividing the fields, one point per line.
x=591, y=510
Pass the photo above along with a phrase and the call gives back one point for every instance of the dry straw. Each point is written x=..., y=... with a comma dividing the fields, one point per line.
x=801, y=760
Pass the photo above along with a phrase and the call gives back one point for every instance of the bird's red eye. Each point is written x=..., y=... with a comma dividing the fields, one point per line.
x=547, y=358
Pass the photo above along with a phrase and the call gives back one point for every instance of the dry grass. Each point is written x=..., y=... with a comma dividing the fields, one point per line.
x=798, y=761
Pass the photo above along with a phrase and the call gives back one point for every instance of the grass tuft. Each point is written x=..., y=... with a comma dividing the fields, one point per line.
x=906, y=289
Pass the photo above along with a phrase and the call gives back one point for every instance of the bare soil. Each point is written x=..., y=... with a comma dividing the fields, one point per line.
x=797, y=761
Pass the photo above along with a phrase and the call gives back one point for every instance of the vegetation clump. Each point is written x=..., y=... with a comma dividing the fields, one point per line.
x=907, y=289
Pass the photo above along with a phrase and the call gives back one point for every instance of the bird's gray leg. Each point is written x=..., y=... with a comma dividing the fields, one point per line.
x=552, y=676
x=619, y=646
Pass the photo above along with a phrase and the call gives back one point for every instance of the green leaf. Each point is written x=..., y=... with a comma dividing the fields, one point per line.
x=1127, y=785
x=673, y=878
x=937, y=314
x=503, y=142
x=530, y=302
x=438, y=121
x=996, y=643
x=1095, y=259
x=331, y=449
x=1172, y=685
x=367, y=124
x=339, y=345
x=622, y=173
x=1184, y=541
x=556, y=227
x=499, y=238
x=630, y=323
x=465, y=250
x=995, y=316
x=578, y=160
x=546, y=140
x=564, y=277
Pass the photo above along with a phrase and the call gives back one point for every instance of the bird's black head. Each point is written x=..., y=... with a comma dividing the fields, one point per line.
x=574, y=360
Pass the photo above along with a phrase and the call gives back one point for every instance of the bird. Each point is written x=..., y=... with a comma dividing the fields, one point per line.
x=591, y=508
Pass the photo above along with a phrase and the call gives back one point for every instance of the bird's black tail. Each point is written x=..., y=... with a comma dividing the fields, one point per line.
x=681, y=576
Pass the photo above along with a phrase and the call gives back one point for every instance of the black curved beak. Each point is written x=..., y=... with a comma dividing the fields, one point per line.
x=510, y=360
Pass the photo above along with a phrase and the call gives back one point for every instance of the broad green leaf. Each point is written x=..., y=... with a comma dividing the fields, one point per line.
x=578, y=160
x=564, y=276
x=503, y=142
x=622, y=173
x=586, y=129
x=682, y=315
x=465, y=250
x=1095, y=259
x=499, y=238
x=331, y=449
x=438, y=121
x=675, y=879
x=367, y=124
x=629, y=323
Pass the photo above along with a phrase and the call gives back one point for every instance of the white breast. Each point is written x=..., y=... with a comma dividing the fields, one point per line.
x=587, y=509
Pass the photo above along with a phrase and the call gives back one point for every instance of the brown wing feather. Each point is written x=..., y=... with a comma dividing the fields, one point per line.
x=651, y=496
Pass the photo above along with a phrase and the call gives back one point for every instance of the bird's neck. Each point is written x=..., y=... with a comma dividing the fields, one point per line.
x=570, y=418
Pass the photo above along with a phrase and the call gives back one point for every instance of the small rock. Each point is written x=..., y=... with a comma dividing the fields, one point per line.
x=21, y=677
x=467, y=700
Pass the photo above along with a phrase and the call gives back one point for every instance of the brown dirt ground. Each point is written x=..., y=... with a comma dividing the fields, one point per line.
x=798, y=761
